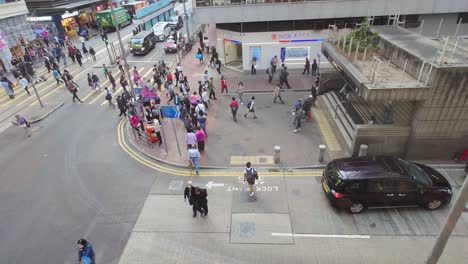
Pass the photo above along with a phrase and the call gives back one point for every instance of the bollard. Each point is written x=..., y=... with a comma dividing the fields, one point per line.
x=321, y=153
x=363, y=150
x=277, y=154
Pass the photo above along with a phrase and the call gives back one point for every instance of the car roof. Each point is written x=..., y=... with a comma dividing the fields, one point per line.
x=374, y=167
x=161, y=24
x=142, y=34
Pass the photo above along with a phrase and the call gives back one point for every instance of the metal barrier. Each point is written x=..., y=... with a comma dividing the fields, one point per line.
x=137, y=134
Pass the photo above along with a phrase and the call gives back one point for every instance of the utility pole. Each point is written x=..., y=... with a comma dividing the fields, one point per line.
x=186, y=20
x=27, y=72
x=122, y=50
x=450, y=223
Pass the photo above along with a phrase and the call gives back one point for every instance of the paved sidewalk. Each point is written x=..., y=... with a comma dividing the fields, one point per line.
x=232, y=144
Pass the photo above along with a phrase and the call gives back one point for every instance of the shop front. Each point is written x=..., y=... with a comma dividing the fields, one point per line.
x=238, y=49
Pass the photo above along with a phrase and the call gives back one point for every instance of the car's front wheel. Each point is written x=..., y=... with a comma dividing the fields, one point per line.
x=356, y=207
x=433, y=204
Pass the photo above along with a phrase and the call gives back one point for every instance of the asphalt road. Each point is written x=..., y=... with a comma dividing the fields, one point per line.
x=70, y=179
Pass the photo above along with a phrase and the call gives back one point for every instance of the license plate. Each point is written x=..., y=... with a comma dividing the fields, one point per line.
x=325, y=187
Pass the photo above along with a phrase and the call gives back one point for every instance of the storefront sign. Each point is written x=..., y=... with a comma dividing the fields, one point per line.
x=296, y=37
x=68, y=14
x=41, y=18
x=151, y=8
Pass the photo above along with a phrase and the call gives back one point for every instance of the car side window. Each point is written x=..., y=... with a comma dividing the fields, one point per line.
x=375, y=186
x=355, y=186
x=404, y=186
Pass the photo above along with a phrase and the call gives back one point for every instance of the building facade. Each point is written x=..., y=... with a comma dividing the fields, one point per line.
x=263, y=28
x=13, y=25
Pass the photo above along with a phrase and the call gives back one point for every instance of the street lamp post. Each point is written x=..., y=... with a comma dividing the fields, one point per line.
x=122, y=49
x=186, y=19
x=32, y=82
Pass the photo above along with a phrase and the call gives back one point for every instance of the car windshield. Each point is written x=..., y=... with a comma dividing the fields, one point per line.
x=333, y=174
x=136, y=41
x=415, y=172
x=158, y=29
x=174, y=19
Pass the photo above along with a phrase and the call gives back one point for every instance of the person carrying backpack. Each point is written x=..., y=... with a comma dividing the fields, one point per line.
x=234, y=105
x=109, y=97
x=250, y=175
x=250, y=107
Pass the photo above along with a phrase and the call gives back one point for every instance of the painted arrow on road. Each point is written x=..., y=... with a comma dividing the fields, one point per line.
x=212, y=184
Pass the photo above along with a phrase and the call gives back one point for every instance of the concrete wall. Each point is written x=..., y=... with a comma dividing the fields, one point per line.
x=441, y=124
x=448, y=28
x=324, y=9
x=381, y=139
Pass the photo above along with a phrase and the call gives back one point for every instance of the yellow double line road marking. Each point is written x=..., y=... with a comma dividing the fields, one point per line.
x=208, y=173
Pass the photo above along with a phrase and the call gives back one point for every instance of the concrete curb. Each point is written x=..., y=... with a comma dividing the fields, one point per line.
x=48, y=113
x=32, y=121
x=178, y=165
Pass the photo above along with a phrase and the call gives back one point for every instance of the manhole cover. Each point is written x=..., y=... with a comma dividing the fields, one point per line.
x=247, y=229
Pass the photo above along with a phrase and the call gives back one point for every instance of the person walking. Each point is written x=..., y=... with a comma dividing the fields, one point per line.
x=122, y=106
x=157, y=130
x=250, y=175
x=105, y=70
x=85, y=252
x=64, y=58
x=194, y=157
x=314, y=68
x=69, y=77
x=274, y=63
x=57, y=76
x=234, y=106
x=201, y=136
x=72, y=89
x=224, y=86
x=92, y=52
x=284, y=78
x=201, y=201
x=218, y=65
x=109, y=97
x=306, y=66
x=253, y=68
x=47, y=64
x=112, y=80
x=78, y=56
x=277, y=94
x=189, y=192
x=170, y=89
x=211, y=88
x=199, y=55
x=250, y=107
x=24, y=83
x=201, y=119
x=119, y=62
x=298, y=115
x=22, y=122
x=95, y=80
x=240, y=91
x=205, y=99
x=270, y=73
x=190, y=139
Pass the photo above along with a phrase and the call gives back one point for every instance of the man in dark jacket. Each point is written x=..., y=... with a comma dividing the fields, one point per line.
x=284, y=78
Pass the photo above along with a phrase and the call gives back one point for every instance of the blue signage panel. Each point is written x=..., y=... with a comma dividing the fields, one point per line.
x=169, y=111
x=151, y=8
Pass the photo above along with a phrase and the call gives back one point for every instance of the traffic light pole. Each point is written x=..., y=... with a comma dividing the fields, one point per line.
x=122, y=50
x=32, y=82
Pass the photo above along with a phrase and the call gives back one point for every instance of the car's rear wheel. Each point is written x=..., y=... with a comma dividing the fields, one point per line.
x=433, y=204
x=356, y=207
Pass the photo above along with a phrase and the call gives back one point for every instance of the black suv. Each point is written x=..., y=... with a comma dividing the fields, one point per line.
x=360, y=182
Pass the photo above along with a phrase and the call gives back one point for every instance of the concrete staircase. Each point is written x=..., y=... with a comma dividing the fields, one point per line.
x=341, y=118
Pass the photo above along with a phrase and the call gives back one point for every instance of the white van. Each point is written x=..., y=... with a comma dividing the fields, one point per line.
x=162, y=30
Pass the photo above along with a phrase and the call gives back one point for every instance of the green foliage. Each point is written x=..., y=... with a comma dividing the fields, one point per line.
x=364, y=36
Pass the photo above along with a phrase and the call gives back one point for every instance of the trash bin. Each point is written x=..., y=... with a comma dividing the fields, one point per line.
x=151, y=134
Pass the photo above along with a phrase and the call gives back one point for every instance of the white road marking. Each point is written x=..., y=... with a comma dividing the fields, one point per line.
x=321, y=235
x=212, y=184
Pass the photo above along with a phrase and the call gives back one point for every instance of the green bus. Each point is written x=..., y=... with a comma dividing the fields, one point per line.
x=106, y=22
